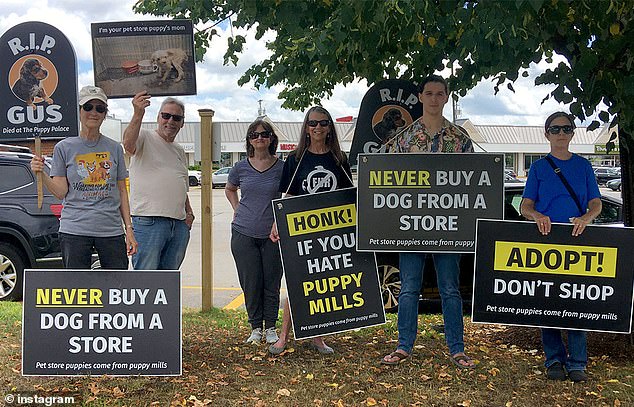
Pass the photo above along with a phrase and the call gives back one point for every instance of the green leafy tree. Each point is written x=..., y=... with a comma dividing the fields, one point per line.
x=322, y=43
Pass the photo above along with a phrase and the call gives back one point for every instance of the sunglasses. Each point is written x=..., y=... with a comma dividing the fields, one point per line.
x=322, y=123
x=99, y=108
x=254, y=135
x=176, y=117
x=557, y=129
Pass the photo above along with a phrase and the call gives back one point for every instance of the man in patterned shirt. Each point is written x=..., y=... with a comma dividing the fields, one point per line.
x=431, y=133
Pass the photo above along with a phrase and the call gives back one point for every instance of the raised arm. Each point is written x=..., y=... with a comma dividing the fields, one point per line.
x=131, y=134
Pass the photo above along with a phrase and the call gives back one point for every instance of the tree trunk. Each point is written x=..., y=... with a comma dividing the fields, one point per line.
x=626, y=148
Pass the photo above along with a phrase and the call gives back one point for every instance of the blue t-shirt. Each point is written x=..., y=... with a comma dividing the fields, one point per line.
x=91, y=206
x=254, y=214
x=551, y=196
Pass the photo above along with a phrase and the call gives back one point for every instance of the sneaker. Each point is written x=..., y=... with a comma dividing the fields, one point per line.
x=256, y=336
x=271, y=335
x=578, y=376
x=556, y=372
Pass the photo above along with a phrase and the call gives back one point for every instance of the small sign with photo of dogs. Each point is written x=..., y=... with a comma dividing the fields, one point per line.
x=155, y=56
x=38, y=83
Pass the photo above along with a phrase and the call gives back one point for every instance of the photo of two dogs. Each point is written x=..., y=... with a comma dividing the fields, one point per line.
x=29, y=84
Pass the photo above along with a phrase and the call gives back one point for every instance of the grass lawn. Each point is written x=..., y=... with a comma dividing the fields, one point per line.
x=220, y=370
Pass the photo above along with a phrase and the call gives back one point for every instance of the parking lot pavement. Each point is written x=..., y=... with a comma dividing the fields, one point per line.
x=226, y=285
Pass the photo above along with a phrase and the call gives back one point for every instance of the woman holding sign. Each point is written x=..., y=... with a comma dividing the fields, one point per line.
x=89, y=174
x=257, y=257
x=316, y=165
x=562, y=188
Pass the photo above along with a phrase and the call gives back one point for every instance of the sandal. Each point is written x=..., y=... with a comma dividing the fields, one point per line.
x=274, y=350
x=400, y=358
x=457, y=358
x=324, y=350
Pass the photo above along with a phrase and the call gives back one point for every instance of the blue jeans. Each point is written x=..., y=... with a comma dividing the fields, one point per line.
x=576, y=358
x=162, y=242
x=447, y=273
x=77, y=251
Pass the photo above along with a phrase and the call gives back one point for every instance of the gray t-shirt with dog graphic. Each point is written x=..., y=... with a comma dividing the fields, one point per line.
x=91, y=206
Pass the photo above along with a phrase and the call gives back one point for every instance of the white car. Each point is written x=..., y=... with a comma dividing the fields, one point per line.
x=219, y=178
x=194, y=178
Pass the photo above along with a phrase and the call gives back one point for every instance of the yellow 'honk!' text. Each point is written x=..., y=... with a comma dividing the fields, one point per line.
x=319, y=220
x=556, y=259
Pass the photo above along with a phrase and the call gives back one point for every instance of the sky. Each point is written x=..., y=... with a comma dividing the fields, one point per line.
x=217, y=86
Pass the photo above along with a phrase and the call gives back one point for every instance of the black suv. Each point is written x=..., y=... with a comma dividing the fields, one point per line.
x=28, y=235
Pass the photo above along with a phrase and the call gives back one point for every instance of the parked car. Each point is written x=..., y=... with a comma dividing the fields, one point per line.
x=388, y=265
x=28, y=235
x=605, y=174
x=510, y=172
x=219, y=178
x=194, y=178
x=614, y=184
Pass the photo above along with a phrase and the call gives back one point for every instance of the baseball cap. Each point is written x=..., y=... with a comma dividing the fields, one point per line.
x=91, y=92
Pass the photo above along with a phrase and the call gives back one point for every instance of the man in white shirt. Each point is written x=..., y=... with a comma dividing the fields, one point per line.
x=161, y=213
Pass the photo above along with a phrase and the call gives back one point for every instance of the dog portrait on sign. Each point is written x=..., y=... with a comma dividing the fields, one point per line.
x=157, y=56
x=38, y=83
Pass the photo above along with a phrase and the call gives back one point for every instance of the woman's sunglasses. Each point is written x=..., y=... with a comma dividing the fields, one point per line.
x=176, y=117
x=322, y=123
x=99, y=108
x=557, y=129
x=254, y=135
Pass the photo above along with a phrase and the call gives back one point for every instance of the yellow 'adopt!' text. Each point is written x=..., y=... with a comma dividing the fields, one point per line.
x=574, y=260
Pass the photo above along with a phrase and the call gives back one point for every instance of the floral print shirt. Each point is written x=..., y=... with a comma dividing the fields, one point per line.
x=416, y=139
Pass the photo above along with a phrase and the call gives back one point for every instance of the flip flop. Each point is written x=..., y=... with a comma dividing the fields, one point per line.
x=324, y=350
x=456, y=359
x=400, y=358
x=275, y=350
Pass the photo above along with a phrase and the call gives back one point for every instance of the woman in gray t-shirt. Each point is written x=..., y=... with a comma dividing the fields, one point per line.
x=89, y=174
x=257, y=257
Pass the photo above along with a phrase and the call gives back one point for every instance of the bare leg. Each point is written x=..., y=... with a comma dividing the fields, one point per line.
x=286, y=327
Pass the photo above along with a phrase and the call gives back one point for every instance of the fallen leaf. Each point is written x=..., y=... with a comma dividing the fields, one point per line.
x=310, y=376
x=117, y=392
x=284, y=392
x=466, y=403
x=370, y=401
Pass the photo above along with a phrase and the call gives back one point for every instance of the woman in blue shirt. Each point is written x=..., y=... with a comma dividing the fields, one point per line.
x=547, y=200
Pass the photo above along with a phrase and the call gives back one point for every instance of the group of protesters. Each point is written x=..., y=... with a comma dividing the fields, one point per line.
x=261, y=177
x=88, y=173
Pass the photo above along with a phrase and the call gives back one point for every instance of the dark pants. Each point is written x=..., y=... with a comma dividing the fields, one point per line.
x=260, y=274
x=77, y=251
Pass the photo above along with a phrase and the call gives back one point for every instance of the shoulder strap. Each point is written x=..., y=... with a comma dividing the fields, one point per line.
x=565, y=182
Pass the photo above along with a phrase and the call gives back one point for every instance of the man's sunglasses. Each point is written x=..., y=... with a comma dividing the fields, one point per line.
x=99, y=108
x=314, y=123
x=176, y=117
x=254, y=135
x=557, y=129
